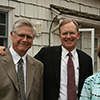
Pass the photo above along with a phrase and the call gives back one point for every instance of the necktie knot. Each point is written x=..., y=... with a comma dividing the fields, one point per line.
x=20, y=61
x=70, y=54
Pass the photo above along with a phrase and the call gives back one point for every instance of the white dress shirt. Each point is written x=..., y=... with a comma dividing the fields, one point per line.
x=16, y=58
x=63, y=76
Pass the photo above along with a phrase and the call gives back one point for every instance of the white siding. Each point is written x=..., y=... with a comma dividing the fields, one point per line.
x=39, y=10
x=28, y=10
x=73, y=6
x=22, y=10
x=4, y=2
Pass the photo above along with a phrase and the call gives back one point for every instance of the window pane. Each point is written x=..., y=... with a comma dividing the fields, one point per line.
x=96, y=43
x=1, y=41
x=95, y=55
x=95, y=66
x=2, y=30
x=2, y=18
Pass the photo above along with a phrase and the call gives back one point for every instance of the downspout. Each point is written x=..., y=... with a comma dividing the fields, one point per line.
x=51, y=27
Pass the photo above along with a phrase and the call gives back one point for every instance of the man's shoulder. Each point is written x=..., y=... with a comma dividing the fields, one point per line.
x=33, y=60
x=82, y=53
x=50, y=48
x=95, y=78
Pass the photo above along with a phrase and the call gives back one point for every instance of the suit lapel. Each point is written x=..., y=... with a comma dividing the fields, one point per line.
x=10, y=68
x=80, y=57
x=29, y=75
x=57, y=63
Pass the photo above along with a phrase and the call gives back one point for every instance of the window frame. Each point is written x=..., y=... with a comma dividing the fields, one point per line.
x=5, y=36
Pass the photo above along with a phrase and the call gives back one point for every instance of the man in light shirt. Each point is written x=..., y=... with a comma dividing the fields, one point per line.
x=22, y=35
x=55, y=63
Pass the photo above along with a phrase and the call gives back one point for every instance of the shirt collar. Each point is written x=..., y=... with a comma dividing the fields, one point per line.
x=16, y=56
x=65, y=52
x=73, y=53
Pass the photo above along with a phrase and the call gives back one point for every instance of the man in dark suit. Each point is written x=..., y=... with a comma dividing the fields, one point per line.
x=12, y=79
x=55, y=63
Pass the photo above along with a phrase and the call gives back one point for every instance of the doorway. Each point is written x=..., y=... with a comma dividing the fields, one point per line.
x=86, y=42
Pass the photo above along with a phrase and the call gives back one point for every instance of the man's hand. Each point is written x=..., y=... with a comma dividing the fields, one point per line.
x=2, y=52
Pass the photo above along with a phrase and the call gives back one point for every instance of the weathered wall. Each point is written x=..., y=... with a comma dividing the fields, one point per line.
x=39, y=10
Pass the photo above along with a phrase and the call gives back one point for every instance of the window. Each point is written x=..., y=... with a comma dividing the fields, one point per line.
x=96, y=66
x=3, y=28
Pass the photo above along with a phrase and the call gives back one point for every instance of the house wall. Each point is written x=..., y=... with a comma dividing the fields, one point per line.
x=39, y=10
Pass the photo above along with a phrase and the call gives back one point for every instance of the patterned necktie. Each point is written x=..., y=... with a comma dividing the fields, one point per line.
x=71, y=87
x=21, y=79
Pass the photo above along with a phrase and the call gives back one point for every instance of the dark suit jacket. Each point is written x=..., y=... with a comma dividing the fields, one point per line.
x=51, y=58
x=9, y=82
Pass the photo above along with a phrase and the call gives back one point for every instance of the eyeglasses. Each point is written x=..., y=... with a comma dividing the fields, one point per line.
x=22, y=36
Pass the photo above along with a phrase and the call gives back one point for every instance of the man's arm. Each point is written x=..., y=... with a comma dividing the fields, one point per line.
x=2, y=52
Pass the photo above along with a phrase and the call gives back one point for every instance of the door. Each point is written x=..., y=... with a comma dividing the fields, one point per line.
x=96, y=58
x=86, y=41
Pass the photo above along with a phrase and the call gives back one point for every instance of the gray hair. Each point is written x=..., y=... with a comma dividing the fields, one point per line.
x=23, y=22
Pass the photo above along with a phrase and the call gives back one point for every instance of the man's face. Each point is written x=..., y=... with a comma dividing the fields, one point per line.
x=22, y=39
x=69, y=36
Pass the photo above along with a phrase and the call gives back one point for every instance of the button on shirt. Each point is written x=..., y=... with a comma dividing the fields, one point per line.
x=63, y=76
x=16, y=58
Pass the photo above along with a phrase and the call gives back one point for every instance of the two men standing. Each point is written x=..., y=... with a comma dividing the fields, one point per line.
x=55, y=60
